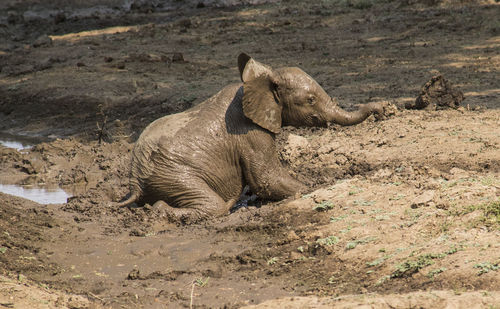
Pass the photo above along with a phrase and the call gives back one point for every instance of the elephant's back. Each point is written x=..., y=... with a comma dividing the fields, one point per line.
x=194, y=142
x=166, y=127
x=162, y=130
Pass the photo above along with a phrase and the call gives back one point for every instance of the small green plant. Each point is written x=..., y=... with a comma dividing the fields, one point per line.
x=490, y=181
x=3, y=250
x=323, y=206
x=272, y=261
x=328, y=241
x=331, y=280
x=353, y=244
x=300, y=249
x=382, y=280
x=445, y=226
x=378, y=261
x=397, y=197
x=431, y=274
x=490, y=213
x=201, y=282
x=346, y=230
x=355, y=190
x=408, y=268
x=363, y=203
x=335, y=219
x=486, y=267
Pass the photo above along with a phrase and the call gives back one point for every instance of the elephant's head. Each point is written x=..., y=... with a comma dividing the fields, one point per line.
x=289, y=96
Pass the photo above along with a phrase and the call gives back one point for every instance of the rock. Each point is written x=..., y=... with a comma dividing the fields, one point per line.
x=458, y=173
x=424, y=199
x=295, y=255
x=297, y=141
x=437, y=93
x=43, y=40
x=178, y=57
x=383, y=173
x=77, y=302
x=292, y=236
x=59, y=18
x=14, y=17
x=134, y=275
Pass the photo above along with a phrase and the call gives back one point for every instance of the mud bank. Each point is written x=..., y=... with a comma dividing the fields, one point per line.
x=399, y=209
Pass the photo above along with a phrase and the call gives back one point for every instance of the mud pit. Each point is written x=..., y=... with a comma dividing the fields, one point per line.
x=402, y=212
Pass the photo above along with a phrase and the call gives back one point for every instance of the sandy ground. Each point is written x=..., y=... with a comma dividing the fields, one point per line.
x=402, y=211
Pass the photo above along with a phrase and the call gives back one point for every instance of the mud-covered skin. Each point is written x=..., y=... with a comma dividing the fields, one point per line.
x=196, y=163
x=179, y=167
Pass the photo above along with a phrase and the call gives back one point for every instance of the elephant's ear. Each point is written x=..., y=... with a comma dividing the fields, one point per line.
x=251, y=69
x=260, y=103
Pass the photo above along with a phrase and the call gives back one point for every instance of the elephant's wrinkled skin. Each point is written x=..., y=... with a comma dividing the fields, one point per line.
x=196, y=163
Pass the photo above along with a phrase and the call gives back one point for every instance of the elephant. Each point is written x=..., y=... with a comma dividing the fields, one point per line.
x=195, y=164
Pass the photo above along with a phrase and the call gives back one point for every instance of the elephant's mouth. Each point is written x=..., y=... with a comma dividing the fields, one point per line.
x=317, y=121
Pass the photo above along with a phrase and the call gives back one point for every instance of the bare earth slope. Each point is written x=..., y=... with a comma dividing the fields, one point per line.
x=403, y=211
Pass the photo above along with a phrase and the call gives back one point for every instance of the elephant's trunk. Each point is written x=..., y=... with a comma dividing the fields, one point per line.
x=339, y=116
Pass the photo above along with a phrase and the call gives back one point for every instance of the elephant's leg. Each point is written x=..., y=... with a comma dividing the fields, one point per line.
x=263, y=171
x=195, y=204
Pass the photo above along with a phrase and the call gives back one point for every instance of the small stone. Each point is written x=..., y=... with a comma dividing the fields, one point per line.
x=458, y=173
x=292, y=236
x=59, y=18
x=297, y=142
x=14, y=17
x=295, y=255
x=76, y=302
x=134, y=275
x=43, y=40
x=178, y=57
x=424, y=199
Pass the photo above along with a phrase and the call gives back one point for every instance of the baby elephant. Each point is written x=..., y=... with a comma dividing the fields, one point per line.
x=195, y=164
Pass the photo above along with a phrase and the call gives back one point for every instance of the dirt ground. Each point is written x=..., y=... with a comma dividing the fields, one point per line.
x=403, y=212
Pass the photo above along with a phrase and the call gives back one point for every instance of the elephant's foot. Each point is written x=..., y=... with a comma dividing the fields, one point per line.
x=189, y=215
x=177, y=215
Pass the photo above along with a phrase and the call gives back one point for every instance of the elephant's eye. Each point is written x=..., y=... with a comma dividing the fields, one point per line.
x=311, y=100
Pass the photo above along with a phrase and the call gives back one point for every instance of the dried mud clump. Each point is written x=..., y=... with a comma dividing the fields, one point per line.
x=438, y=93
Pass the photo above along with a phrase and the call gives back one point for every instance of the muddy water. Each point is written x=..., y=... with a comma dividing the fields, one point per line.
x=37, y=193
x=19, y=142
x=40, y=195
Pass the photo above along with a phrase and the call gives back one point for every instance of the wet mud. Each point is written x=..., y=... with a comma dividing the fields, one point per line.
x=399, y=211
x=437, y=93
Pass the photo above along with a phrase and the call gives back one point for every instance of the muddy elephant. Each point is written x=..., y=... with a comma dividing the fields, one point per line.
x=195, y=164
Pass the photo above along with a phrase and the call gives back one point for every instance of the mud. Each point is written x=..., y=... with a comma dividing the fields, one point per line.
x=437, y=93
x=400, y=211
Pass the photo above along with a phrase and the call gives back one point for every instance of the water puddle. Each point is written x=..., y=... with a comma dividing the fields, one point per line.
x=19, y=142
x=13, y=185
x=40, y=195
